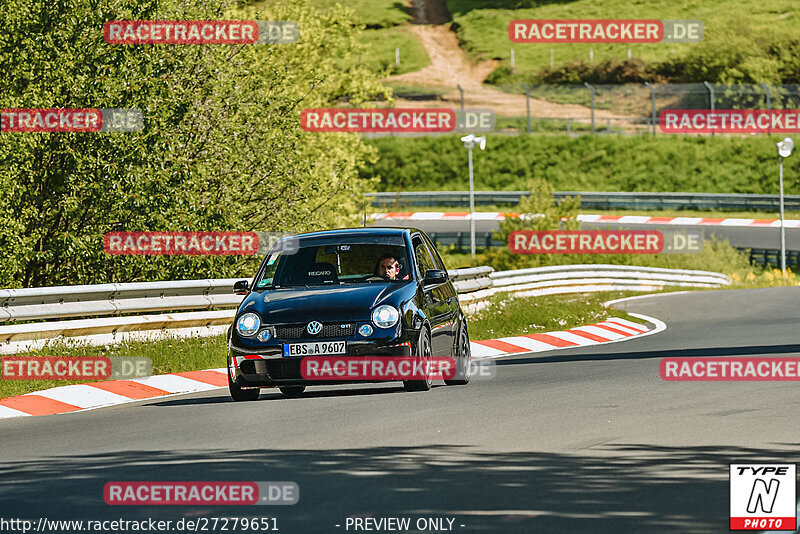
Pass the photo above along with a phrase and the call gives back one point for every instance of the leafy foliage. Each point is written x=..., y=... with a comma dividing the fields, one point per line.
x=221, y=149
x=587, y=163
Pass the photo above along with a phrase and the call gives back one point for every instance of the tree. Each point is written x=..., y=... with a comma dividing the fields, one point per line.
x=221, y=148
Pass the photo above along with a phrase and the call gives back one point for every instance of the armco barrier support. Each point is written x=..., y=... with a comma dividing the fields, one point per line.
x=213, y=304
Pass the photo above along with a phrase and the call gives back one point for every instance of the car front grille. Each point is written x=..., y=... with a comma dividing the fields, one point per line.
x=298, y=331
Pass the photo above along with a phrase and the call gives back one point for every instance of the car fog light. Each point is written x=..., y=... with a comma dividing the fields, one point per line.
x=365, y=330
x=264, y=335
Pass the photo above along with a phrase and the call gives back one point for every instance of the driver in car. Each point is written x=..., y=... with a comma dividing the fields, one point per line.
x=387, y=267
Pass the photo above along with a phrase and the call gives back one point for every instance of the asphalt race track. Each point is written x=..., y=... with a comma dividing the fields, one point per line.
x=739, y=236
x=578, y=440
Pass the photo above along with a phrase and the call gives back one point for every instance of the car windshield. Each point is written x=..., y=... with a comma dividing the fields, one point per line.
x=316, y=261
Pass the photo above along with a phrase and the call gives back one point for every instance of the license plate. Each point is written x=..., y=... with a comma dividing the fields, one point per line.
x=315, y=349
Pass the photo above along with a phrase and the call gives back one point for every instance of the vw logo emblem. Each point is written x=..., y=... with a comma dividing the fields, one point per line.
x=314, y=328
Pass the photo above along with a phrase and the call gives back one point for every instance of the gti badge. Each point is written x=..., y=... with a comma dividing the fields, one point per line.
x=314, y=328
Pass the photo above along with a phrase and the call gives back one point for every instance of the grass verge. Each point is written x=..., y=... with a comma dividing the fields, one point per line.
x=172, y=355
x=508, y=315
x=380, y=54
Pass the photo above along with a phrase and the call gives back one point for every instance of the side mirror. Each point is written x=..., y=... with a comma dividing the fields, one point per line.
x=435, y=276
x=242, y=287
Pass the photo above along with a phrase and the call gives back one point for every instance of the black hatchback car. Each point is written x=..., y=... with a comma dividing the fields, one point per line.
x=376, y=292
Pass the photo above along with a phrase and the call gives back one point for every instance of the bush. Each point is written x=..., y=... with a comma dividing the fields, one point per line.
x=221, y=149
x=586, y=163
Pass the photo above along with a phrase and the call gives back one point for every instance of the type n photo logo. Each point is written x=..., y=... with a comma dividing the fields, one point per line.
x=763, y=497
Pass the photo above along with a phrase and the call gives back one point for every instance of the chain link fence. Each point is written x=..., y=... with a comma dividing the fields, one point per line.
x=628, y=108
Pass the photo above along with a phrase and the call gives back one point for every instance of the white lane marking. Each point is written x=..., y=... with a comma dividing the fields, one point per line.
x=6, y=412
x=532, y=345
x=426, y=215
x=610, y=303
x=601, y=332
x=575, y=338
x=621, y=328
x=81, y=395
x=736, y=222
x=629, y=324
x=685, y=220
x=634, y=219
x=174, y=384
x=482, y=351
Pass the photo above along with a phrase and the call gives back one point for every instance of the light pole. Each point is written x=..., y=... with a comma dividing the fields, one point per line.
x=469, y=143
x=784, y=150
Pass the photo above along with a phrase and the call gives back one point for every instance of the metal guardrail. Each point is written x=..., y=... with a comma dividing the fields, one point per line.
x=593, y=200
x=460, y=240
x=474, y=285
x=115, y=299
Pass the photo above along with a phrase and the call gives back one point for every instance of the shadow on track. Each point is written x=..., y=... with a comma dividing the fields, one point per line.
x=632, y=488
x=272, y=394
x=757, y=350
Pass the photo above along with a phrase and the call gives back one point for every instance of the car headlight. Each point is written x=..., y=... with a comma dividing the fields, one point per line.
x=248, y=324
x=385, y=316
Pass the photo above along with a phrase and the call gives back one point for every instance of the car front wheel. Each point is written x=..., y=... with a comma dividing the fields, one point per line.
x=239, y=394
x=463, y=357
x=422, y=357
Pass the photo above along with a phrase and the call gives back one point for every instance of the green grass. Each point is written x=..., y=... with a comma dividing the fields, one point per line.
x=508, y=315
x=586, y=163
x=736, y=25
x=371, y=13
x=412, y=91
x=380, y=54
x=173, y=355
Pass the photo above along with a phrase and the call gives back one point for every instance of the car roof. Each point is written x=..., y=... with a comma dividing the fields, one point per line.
x=355, y=232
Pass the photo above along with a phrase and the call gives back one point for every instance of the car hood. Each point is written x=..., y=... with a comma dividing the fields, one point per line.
x=300, y=305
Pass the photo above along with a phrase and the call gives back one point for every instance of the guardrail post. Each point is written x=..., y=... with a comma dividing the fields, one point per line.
x=591, y=90
x=711, y=98
x=766, y=88
x=527, y=107
x=652, y=107
x=462, y=98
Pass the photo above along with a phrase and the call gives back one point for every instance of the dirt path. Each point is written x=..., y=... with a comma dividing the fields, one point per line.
x=450, y=66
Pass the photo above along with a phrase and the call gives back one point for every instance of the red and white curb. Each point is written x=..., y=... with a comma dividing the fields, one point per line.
x=609, y=331
x=79, y=397
x=618, y=219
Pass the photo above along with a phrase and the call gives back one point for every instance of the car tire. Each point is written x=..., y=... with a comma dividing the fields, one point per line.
x=423, y=353
x=239, y=394
x=292, y=391
x=463, y=357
